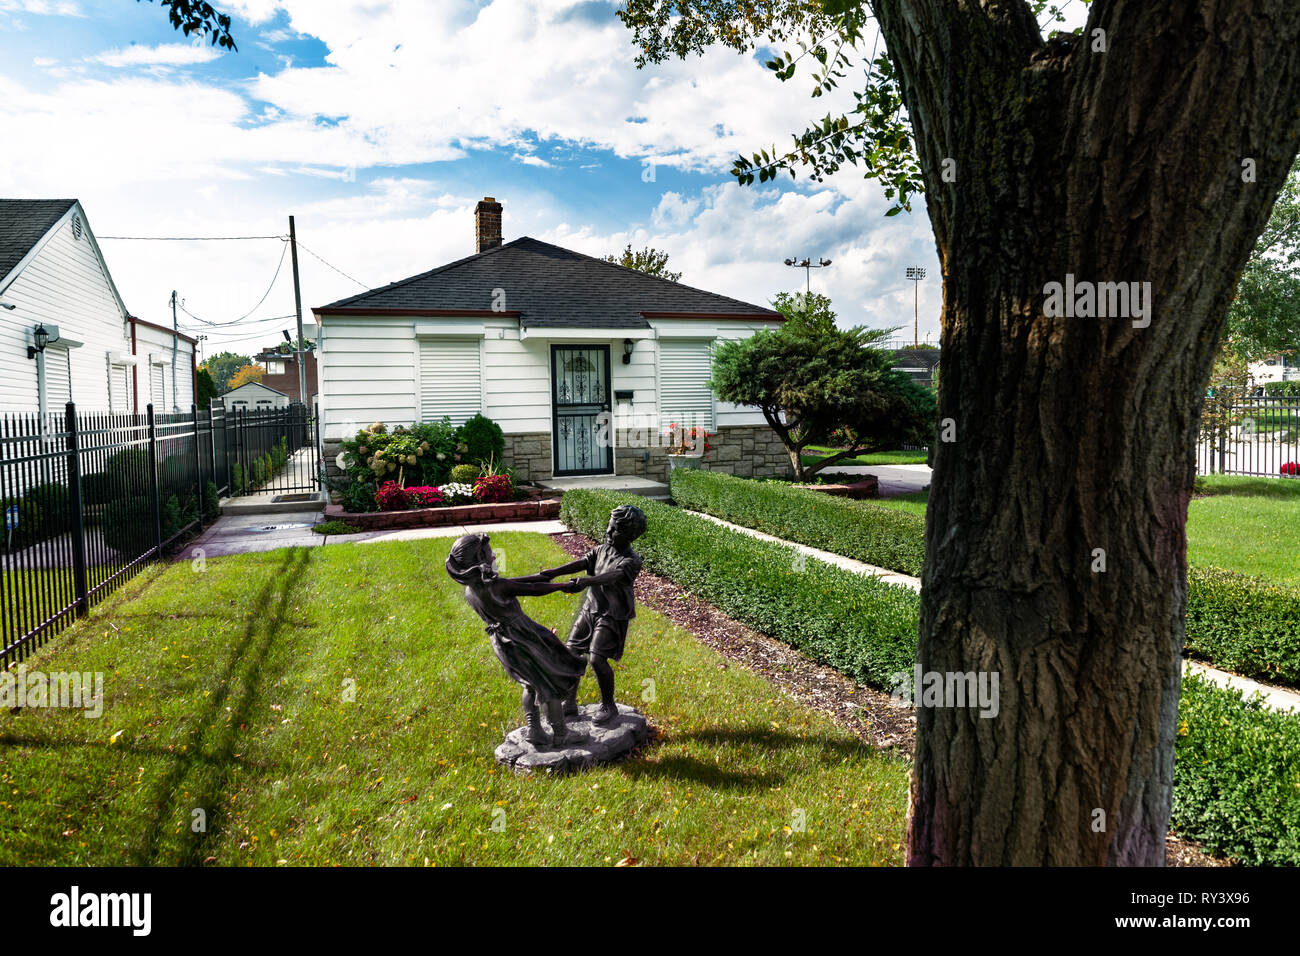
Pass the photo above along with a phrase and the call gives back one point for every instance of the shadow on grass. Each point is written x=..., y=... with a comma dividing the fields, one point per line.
x=1241, y=487
x=247, y=663
x=826, y=754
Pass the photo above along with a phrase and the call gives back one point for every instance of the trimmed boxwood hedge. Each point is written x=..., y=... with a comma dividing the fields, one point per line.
x=856, y=529
x=1234, y=621
x=1237, y=775
x=868, y=631
x=1237, y=763
x=1244, y=624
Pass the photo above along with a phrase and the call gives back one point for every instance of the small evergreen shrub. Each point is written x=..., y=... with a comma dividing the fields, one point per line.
x=465, y=474
x=483, y=440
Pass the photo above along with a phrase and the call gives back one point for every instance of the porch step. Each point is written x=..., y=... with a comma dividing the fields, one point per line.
x=654, y=490
x=271, y=504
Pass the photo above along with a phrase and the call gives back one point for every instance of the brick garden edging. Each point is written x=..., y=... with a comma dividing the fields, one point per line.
x=536, y=509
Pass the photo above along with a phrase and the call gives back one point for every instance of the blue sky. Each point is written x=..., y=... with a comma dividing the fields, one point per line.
x=380, y=124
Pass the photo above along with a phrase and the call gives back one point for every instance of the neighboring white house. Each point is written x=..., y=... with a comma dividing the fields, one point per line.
x=55, y=288
x=552, y=345
x=1275, y=368
x=165, y=367
x=254, y=396
x=53, y=277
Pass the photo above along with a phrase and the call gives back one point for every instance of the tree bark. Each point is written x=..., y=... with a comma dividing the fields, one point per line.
x=1075, y=434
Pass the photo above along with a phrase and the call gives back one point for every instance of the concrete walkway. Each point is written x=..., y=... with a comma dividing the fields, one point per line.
x=1278, y=698
x=839, y=560
x=244, y=533
x=655, y=490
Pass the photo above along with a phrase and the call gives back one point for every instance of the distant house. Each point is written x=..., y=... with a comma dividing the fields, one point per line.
x=281, y=365
x=581, y=362
x=1274, y=368
x=254, y=396
x=56, y=292
x=918, y=363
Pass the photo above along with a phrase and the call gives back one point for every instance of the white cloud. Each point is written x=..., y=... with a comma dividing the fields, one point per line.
x=166, y=154
x=164, y=54
x=48, y=8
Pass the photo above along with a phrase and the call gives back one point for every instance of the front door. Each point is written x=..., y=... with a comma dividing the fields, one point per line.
x=580, y=432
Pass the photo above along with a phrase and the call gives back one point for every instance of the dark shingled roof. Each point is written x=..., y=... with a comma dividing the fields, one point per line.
x=549, y=287
x=22, y=224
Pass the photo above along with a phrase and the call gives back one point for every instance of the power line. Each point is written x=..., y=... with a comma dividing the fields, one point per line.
x=247, y=330
x=278, y=266
x=190, y=238
x=335, y=268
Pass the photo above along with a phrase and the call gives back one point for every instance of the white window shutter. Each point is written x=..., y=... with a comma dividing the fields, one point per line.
x=58, y=379
x=451, y=379
x=684, y=396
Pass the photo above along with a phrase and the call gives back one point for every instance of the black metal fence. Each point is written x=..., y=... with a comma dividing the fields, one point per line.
x=89, y=498
x=276, y=450
x=1252, y=436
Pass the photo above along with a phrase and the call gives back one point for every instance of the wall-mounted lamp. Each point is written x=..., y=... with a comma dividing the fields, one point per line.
x=42, y=339
x=628, y=345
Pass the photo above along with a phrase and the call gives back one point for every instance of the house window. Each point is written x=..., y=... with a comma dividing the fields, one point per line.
x=684, y=396
x=451, y=379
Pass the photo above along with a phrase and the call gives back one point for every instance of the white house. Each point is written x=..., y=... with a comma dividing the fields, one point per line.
x=165, y=367
x=254, y=396
x=555, y=347
x=65, y=333
x=55, y=280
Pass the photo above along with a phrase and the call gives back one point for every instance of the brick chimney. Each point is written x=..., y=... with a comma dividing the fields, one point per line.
x=487, y=225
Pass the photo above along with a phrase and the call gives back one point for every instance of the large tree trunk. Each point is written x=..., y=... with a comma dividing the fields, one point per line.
x=1075, y=434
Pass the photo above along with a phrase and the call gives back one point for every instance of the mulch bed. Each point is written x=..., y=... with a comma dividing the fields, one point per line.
x=868, y=713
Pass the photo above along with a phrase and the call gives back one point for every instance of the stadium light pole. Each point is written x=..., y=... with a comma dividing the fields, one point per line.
x=916, y=274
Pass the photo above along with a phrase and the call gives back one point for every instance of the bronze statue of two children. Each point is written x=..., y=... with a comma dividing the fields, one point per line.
x=530, y=653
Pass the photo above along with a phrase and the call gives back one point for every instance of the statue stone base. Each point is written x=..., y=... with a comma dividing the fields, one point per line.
x=596, y=744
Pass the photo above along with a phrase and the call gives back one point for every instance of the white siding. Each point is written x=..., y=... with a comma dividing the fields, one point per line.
x=451, y=379
x=367, y=373
x=154, y=346
x=63, y=285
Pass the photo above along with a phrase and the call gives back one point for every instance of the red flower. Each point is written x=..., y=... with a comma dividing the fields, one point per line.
x=494, y=489
x=1291, y=468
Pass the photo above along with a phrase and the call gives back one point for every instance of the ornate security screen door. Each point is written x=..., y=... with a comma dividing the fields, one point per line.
x=579, y=394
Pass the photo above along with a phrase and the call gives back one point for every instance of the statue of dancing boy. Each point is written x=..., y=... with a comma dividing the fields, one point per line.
x=600, y=630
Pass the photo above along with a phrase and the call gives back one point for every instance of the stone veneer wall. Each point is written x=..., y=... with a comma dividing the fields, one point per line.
x=751, y=451
x=529, y=455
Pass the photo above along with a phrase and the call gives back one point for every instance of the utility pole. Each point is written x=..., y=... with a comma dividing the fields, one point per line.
x=297, y=304
x=916, y=274
x=176, y=342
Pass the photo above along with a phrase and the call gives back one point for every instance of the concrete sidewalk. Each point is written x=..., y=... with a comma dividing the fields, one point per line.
x=244, y=533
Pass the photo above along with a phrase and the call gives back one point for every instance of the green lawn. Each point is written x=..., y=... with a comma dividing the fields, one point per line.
x=1250, y=525
x=225, y=692
x=866, y=458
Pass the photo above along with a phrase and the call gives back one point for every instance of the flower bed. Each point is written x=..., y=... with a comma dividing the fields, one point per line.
x=534, y=509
